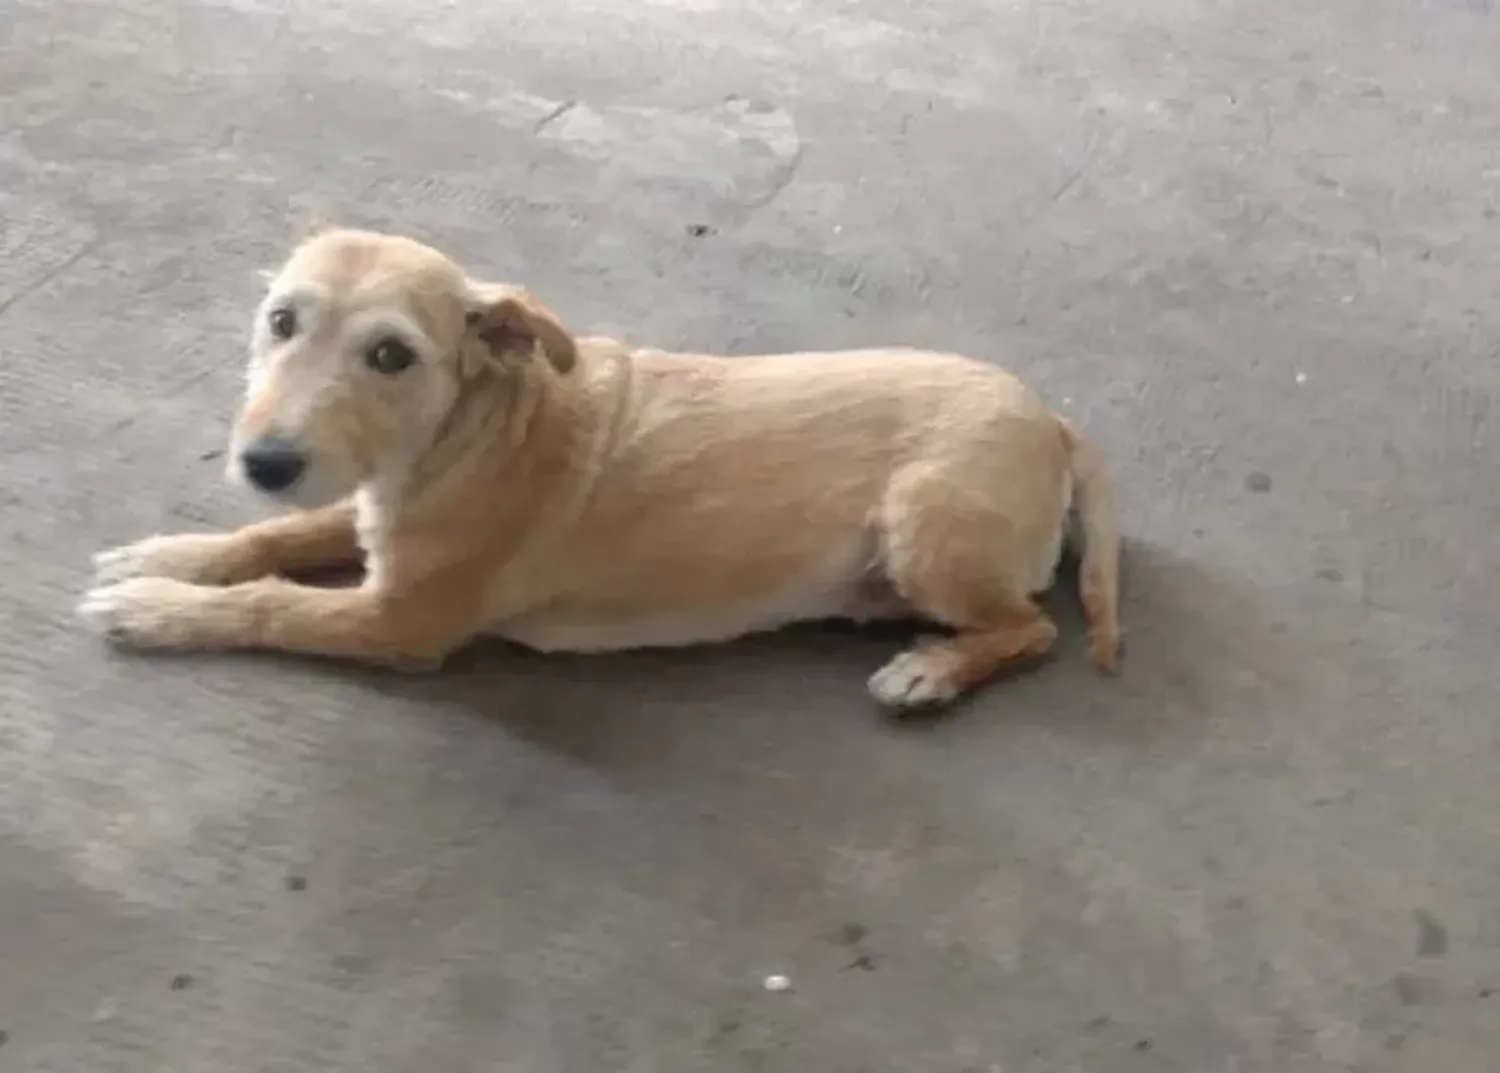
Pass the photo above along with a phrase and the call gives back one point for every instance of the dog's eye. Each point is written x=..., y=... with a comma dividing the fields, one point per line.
x=389, y=356
x=283, y=323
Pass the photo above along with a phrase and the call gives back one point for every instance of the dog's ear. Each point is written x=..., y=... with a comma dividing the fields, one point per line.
x=512, y=323
x=309, y=226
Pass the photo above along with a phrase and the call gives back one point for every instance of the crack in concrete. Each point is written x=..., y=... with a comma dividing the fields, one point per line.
x=553, y=116
x=26, y=290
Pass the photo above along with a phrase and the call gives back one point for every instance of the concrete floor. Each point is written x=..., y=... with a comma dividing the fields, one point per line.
x=1252, y=246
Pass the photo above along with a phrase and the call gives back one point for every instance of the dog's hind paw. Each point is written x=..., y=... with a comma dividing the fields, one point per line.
x=919, y=678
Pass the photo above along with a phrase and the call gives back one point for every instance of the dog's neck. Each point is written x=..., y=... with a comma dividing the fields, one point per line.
x=528, y=438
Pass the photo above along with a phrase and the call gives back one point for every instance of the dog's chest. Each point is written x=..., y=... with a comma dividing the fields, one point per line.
x=369, y=530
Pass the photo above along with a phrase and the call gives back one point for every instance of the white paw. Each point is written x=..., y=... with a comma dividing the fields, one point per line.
x=143, y=612
x=917, y=678
x=202, y=558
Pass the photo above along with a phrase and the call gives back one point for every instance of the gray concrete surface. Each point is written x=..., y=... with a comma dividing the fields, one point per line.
x=1251, y=245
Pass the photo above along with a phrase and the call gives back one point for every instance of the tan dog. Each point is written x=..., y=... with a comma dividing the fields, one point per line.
x=499, y=476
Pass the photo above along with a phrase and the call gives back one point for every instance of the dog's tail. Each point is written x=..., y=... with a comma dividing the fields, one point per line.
x=1095, y=540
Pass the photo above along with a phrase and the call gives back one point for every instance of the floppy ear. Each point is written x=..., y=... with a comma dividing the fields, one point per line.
x=512, y=323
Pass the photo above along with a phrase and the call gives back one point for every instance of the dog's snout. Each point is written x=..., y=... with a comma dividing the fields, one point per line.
x=272, y=464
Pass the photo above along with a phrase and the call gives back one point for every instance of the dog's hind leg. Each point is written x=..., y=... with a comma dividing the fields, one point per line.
x=961, y=561
x=300, y=542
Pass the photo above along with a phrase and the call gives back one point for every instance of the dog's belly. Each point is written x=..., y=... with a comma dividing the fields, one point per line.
x=854, y=593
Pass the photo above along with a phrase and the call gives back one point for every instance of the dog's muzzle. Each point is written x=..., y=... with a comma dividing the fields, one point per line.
x=272, y=464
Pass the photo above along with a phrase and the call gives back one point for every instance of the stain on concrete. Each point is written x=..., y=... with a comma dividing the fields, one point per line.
x=354, y=964
x=483, y=996
x=1432, y=935
x=745, y=150
x=1412, y=990
x=853, y=933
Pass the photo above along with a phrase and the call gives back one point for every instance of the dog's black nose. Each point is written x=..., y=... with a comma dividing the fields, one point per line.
x=272, y=465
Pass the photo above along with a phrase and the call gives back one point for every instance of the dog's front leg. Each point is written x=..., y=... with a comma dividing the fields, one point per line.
x=304, y=540
x=274, y=614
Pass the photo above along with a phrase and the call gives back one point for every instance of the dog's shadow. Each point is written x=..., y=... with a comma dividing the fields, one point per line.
x=1191, y=637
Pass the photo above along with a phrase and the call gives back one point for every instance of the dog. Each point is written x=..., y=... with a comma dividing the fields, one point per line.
x=496, y=474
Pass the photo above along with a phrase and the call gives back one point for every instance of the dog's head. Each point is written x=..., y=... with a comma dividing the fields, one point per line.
x=361, y=349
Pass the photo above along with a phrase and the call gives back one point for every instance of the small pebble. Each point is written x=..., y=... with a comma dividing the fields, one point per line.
x=778, y=983
x=296, y=883
x=1301, y=378
x=182, y=981
x=106, y=1009
x=1258, y=482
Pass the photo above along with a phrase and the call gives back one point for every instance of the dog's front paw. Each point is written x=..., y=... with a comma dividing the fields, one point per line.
x=144, y=612
x=200, y=558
